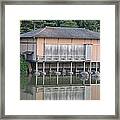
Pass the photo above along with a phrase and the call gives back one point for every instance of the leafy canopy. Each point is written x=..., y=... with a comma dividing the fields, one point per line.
x=30, y=25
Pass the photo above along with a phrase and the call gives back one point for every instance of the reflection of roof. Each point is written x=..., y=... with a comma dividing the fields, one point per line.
x=62, y=32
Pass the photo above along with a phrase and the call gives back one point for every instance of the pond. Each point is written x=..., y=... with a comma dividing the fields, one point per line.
x=50, y=90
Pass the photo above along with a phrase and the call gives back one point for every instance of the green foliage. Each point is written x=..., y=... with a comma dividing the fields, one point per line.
x=23, y=66
x=23, y=81
x=30, y=25
x=93, y=25
x=69, y=23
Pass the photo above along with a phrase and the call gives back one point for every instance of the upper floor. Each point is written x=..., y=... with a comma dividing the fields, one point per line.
x=50, y=49
x=61, y=44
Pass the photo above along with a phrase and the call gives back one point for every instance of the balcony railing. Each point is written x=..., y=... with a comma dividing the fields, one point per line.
x=61, y=58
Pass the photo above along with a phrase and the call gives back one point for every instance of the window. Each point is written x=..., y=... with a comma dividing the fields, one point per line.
x=87, y=51
x=48, y=52
x=63, y=52
x=79, y=52
x=69, y=52
x=54, y=52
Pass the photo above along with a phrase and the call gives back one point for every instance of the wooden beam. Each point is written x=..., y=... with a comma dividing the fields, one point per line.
x=57, y=72
x=90, y=80
x=36, y=72
x=71, y=72
x=43, y=72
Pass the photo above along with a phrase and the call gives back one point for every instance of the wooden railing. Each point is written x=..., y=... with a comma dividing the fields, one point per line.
x=61, y=58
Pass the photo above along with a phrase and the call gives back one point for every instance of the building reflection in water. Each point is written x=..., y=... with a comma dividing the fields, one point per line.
x=60, y=92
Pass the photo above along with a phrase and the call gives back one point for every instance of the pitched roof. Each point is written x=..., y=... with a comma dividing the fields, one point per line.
x=31, y=34
x=62, y=32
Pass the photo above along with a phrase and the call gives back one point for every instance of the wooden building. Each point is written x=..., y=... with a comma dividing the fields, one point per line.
x=63, y=55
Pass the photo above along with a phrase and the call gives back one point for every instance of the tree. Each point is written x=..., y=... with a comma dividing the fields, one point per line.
x=23, y=65
x=28, y=25
x=93, y=25
x=69, y=23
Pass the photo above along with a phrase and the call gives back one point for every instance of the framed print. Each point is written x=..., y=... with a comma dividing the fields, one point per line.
x=60, y=59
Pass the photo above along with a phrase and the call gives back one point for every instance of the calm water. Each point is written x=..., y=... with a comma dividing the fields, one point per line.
x=29, y=91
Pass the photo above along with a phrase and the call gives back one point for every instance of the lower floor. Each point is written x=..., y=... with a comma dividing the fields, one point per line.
x=51, y=73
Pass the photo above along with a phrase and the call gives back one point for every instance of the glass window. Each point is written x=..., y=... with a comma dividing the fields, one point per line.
x=54, y=52
x=48, y=52
x=69, y=52
x=73, y=50
x=88, y=52
x=63, y=51
x=79, y=51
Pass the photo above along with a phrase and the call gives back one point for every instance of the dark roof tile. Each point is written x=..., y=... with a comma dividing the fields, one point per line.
x=63, y=32
x=31, y=34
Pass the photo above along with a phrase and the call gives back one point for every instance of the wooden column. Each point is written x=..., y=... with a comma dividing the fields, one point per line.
x=57, y=71
x=75, y=70
x=70, y=72
x=84, y=71
x=84, y=81
x=36, y=71
x=43, y=71
x=59, y=52
x=84, y=66
x=44, y=54
x=96, y=81
x=90, y=80
x=96, y=67
x=50, y=70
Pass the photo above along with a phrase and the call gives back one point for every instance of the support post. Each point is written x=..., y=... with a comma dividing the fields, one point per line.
x=84, y=81
x=50, y=70
x=75, y=70
x=71, y=73
x=57, y=71
x=36, y=71
x=84, y=71
x=84, y=66
x=96, y=81
x=59, y=52
x=90, y=80
x=96, y=67
x=43, y=71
